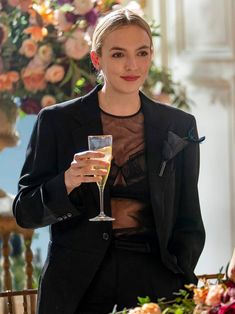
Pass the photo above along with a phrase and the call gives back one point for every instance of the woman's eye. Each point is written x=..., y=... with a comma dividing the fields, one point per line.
x=143, y=53
x=117, y=55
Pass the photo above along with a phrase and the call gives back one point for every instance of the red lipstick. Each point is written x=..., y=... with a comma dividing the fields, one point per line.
x=130, y=78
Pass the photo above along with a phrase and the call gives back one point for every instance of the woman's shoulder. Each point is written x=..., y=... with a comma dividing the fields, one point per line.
x=63, y=107
x=73, y=105
x=166, y=110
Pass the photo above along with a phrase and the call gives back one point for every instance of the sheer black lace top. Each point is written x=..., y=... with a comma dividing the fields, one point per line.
x=128, y=180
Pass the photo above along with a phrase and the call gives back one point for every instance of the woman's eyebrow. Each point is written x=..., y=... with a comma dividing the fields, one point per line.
x=123, y=49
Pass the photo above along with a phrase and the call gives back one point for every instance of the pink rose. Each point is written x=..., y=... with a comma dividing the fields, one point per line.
x=77, y=45
x=33, y=79
x=82, y=6
x=214, y=295
x=28, y=48
x=47, y=101
x=37, y=62
x=55, y=73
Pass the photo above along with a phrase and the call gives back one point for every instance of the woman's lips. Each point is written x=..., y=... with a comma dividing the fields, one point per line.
x=130, y=78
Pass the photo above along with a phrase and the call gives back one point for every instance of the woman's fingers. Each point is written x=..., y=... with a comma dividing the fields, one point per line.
x=86, y=167
x=77, y=170
x=92, y=158
x=88, y=154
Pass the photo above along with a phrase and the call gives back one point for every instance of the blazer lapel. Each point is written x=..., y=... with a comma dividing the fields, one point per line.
x=155, y=133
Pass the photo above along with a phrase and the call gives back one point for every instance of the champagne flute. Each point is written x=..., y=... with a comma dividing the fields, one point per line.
x=102, y=143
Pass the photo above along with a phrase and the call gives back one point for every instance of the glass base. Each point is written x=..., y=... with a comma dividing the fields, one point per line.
x=102, y=217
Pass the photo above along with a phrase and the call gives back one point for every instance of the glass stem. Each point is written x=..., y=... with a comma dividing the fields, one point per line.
x=101, y=192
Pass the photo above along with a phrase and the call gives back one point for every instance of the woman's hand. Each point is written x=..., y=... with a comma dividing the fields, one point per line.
x=86, y=167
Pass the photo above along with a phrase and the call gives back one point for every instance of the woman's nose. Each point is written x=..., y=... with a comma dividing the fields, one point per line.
x=131, y=64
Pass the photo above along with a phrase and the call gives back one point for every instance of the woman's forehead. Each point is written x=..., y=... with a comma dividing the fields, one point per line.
x=127, y=35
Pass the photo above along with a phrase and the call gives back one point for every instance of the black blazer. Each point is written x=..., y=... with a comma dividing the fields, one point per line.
x=78, y=246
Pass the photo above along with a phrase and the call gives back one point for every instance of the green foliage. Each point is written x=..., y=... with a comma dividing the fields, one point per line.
x=143, y=300
x=181, y=304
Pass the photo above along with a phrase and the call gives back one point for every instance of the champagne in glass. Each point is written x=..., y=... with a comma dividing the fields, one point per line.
x=102, y=143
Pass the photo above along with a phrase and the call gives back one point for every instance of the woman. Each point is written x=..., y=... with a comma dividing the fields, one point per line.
x=154, y=243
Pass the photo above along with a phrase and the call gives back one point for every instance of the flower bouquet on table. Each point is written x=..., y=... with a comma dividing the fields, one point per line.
x=216, y=298
x=209, y=297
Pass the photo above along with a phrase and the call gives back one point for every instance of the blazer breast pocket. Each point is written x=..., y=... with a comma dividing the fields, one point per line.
x=167, y=168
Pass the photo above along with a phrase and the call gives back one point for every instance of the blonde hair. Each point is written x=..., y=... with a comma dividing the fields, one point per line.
x=113, y=21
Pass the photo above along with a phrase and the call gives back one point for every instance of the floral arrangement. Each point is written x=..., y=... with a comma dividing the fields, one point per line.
x=209, y=297
x=44, y=48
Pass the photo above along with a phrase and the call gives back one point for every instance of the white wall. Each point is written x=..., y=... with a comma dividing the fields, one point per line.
x=198, y=44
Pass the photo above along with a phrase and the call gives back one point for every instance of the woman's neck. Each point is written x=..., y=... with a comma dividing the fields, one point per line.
x=118, y=104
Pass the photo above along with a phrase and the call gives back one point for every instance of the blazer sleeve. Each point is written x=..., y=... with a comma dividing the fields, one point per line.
x=42, y=198
x=188, y=234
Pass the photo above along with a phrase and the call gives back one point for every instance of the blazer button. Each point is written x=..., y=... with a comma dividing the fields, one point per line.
x=105, y=236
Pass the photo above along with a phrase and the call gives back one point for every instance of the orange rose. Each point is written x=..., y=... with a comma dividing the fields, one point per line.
x=13, y=76
x=5, y=83
x=33, y=79
x=151, y=308
x=7, y=80
x=77, y=46
x=47, y=101
x=55, y=73
x=29, y=48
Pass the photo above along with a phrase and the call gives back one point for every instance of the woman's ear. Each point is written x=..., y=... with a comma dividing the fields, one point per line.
x=95, y=60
